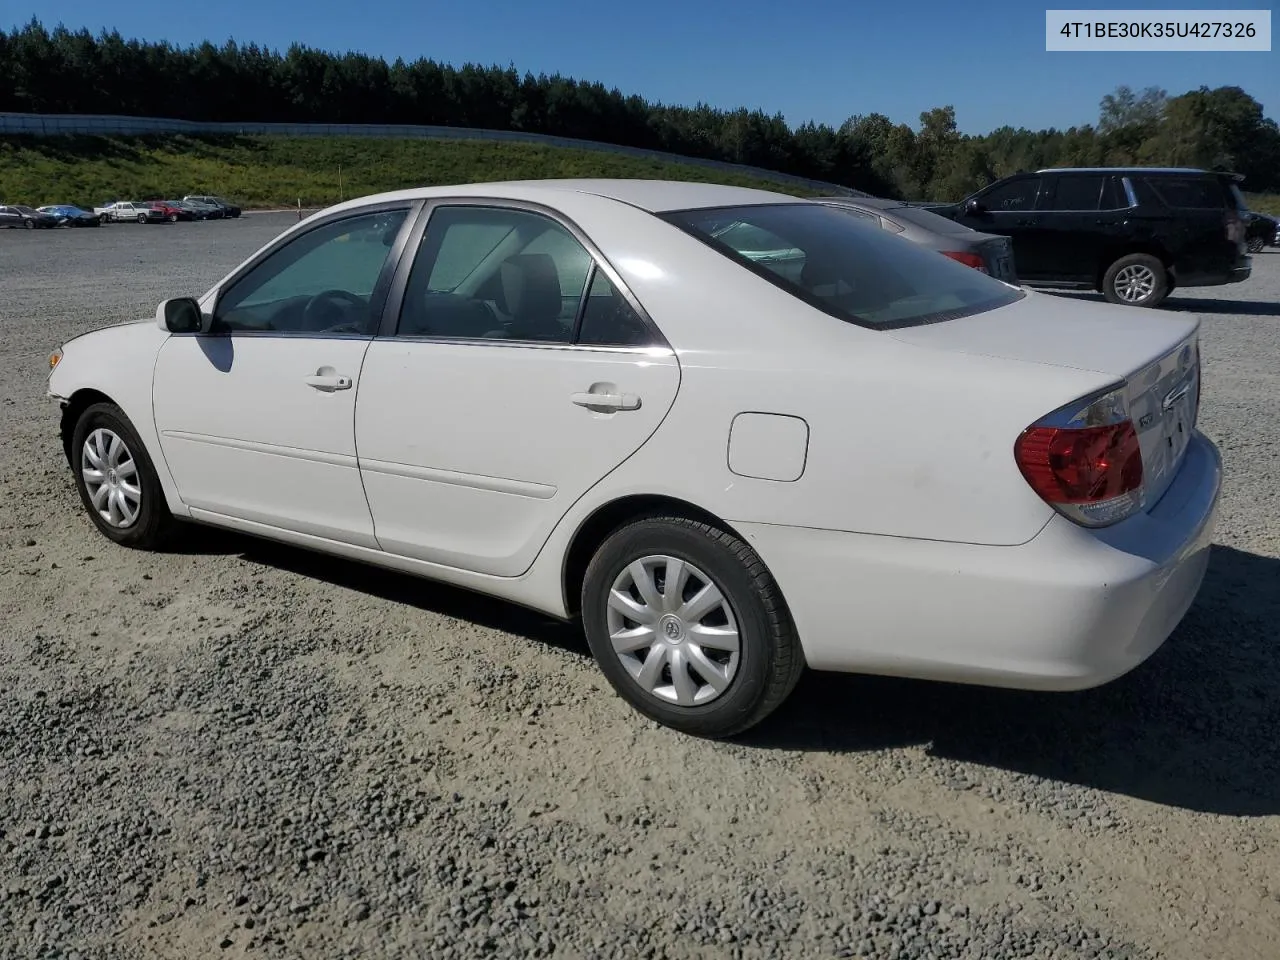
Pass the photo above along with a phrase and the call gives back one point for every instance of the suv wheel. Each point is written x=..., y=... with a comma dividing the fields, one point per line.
x=689, y=627
x=1136, y=280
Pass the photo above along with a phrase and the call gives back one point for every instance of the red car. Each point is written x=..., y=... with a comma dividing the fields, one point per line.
x=171, y=213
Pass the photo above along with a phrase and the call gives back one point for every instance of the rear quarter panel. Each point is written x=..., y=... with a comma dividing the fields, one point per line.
x=904, y=440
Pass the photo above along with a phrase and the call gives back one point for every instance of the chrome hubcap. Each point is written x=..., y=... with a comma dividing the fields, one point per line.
x=111, y=478
x=674, y=630
x=1135, y=282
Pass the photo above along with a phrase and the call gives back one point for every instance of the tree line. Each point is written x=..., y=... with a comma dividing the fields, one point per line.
x=64, y=71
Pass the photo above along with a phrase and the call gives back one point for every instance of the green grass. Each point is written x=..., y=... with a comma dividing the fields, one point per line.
x=278, y=171
x=1264, y=203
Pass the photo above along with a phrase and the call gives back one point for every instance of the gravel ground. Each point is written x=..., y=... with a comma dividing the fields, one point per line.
x=241, y=749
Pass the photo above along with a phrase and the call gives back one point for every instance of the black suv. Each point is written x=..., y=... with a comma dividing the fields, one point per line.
x=1133, y=233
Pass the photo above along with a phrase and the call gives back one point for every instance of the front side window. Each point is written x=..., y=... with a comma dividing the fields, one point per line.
x=836, y=263
x=321, y=282
x=497, y=274
x=1012, y=196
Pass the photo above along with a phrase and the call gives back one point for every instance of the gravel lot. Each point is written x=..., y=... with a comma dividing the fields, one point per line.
x=240, y=749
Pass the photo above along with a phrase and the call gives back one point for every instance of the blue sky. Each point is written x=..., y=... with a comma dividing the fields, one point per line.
x=820, y=60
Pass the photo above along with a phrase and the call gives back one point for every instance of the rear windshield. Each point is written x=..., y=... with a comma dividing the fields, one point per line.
x=844, y=266
x=924, y=218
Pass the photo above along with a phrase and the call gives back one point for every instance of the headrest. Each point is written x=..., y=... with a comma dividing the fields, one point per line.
x=531, y=287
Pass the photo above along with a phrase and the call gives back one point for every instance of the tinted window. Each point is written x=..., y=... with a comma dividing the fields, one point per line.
x=1075, y=193
x=320, y=282
x=1198, y=193
x=609, y=320
x=487, y=272
x=927, y=219
x=1013, y=195
x=840, y=265
x=1113, y=195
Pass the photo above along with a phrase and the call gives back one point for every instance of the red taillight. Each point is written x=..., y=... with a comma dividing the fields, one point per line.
x=968, y=259
x=1085, y=461
x=1081, y=465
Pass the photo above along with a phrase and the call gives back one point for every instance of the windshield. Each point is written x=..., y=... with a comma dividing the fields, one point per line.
x=845, y=266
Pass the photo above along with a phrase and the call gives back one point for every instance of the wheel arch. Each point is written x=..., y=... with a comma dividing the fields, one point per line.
x=1112, y=254
x=607, y=518
x=75, y=405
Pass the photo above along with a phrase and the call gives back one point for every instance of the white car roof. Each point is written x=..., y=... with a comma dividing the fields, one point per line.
x=655, y=196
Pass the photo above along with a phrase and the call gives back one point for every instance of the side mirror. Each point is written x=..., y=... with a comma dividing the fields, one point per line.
x=974, y=207
x=181, y=315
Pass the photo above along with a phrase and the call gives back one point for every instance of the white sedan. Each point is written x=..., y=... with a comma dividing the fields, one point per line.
x=734, y=432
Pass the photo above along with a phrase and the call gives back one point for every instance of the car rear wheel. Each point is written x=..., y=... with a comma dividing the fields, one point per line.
x=689, y=627
x=117, y=480
x=1256, y=245
x=1136, y=280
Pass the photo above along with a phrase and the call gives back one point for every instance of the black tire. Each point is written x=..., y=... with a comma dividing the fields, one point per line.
x=1116, y=290
x=173, y=218
x=142, y=218
x=154, y=523
x=30, y=224
x=103, y=218
x=770, y=660
x=1256, y=245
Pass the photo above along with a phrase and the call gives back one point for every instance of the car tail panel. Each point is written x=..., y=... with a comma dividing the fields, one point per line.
x=1163, y=400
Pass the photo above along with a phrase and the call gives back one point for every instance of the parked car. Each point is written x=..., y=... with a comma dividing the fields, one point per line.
x=1133, y=233
x=1262, y=231
x=193, y=210
x=128, y=210
x=171, y=212
x=17, y=215
x=228, y=209
x=988, y=252
x=206, y=211
x=581, y=397
x=69, y=215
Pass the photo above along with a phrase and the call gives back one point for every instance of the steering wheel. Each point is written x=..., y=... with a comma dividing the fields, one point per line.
x=327, y=309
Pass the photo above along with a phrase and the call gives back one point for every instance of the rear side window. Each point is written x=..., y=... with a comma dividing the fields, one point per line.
x=1074, y=193
x=1192, y=193
x=841, y=265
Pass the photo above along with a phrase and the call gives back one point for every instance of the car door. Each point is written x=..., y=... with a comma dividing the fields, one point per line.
x=1008, y=207
x=256, y=417
x=501, y=393
x=1081, y=218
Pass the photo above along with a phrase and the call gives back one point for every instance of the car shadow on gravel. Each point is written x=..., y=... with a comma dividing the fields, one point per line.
x=426, y=595
x=1196, y=727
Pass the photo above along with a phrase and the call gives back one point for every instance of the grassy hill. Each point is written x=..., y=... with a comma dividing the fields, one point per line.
x=273, y=171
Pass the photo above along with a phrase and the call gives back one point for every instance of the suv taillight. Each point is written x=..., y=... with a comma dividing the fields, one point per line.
x=1085, y=461
x=968, y=259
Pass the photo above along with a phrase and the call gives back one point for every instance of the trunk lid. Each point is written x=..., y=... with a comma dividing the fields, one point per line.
x=1157, y=355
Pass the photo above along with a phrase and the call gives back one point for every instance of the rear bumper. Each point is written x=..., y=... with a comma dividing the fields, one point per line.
x=1237, y=274
x=1069, y=609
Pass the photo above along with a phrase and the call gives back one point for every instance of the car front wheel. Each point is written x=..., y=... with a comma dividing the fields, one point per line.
x=117, y=480
x=689, y=627
x=1256, y=245
x=1136, y=280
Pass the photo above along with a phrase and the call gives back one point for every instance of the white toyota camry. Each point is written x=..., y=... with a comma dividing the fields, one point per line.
x=735, y=432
